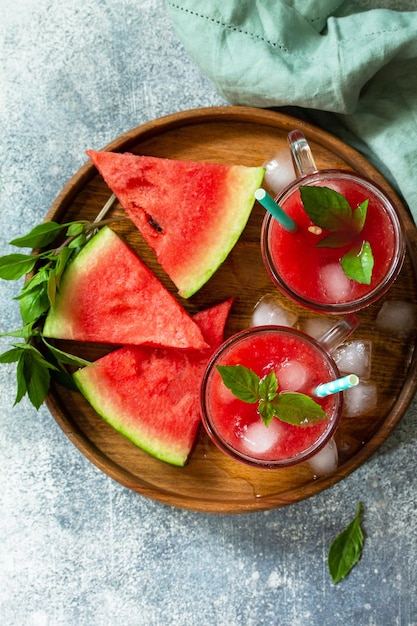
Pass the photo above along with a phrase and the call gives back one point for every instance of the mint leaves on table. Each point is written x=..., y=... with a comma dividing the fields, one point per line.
x=329, y=210
x=288, y=406
x=38, y=361
x=346, y=549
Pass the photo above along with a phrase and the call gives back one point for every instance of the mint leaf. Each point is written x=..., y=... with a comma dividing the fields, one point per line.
x=22, y=386
x=61, y=263
x=34, y=304
x=14, y=266
x=33, y=283
x=359, y=216
x=38, y=383
x=10, y=356
x=241, y=381
x=75, y=229
x=326, y=207
x=40, y=236
x=33, y=378
x=23, y=333
x=267, y=411
x=346, y=549
x=78, y=241
x=288, y=406
x=358, y=263
x=33, y=375
x=51, y=289
x=65, y=357
x=297, y=409
x=35, y=354
x=268, y=386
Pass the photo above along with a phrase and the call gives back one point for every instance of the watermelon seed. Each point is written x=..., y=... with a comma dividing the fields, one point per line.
x=153, y=223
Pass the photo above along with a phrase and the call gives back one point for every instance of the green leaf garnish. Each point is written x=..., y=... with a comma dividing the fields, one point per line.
x=64, y=357
x=14, y=266
x=34, y=304
x=358, y=263
x=75, y=229
x=330, y=210
x=359, y=216
x=297, y=409
x=33, y=376
x=268, y=386
x=78, y=241
x=294, y=408
x=326, y=207
x=23, y=333
x=243, y=382
x=38, y=361
x=346, y=549
x=40, y=236
x=267, y=411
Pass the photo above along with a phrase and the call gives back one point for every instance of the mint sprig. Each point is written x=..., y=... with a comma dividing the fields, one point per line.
x=291, y=407
x=346, y=549
x=331, y=211
x=37, y=360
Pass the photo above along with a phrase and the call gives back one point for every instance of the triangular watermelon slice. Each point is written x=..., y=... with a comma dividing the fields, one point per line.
x=108, y=295
x=190, y=213
x=151, y=396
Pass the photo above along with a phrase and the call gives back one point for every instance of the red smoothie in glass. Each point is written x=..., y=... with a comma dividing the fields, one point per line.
x=312, y=275
x=300, y=364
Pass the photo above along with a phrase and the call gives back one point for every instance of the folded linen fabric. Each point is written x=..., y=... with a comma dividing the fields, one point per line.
x=350, y=67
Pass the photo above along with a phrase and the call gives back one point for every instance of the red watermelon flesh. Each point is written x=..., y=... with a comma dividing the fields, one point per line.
x=190, y=213
x=107, y=294
x=151, y=395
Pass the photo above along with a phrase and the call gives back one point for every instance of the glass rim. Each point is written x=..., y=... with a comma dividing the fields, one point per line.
x=231, y=451
x=381, y=288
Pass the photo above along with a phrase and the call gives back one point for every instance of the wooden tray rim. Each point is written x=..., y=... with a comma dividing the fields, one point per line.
x=248, y=115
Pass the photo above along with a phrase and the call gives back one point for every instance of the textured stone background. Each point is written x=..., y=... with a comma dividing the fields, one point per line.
x=78, y=549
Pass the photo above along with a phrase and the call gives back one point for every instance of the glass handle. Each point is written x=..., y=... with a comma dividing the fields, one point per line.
x=301, y=153
x=338, y=333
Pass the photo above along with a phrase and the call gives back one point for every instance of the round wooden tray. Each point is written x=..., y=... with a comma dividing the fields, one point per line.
x=211, y=482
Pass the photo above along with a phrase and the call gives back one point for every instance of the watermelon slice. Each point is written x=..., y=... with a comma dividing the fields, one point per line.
x=151, y=395
x=190, y=213
x=108, y=295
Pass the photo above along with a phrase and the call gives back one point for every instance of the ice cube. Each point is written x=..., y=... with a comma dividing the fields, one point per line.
x=396, y=316
x=279, y=171
x=316, y=327
x=292, y=376
x=335, y=285
x=326, y=460
x=224, y=394
x=354, y=357
x=259, y=438
x=267, y=311
x=360, y=400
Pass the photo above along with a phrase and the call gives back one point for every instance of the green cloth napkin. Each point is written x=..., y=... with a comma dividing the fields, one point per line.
x=344, y=66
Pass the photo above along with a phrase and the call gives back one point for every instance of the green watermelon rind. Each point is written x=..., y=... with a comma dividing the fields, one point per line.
x=111, y=386
x=56, y=321
x=202, y=211
x=155, y=447
x=242, y=182
x=62, y=321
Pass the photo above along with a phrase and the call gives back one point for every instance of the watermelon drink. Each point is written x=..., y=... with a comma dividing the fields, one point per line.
x=300, y=364
x=309, y=271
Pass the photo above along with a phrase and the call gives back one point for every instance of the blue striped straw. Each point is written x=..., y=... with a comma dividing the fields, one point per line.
x=334, y=386
x=272, y=207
